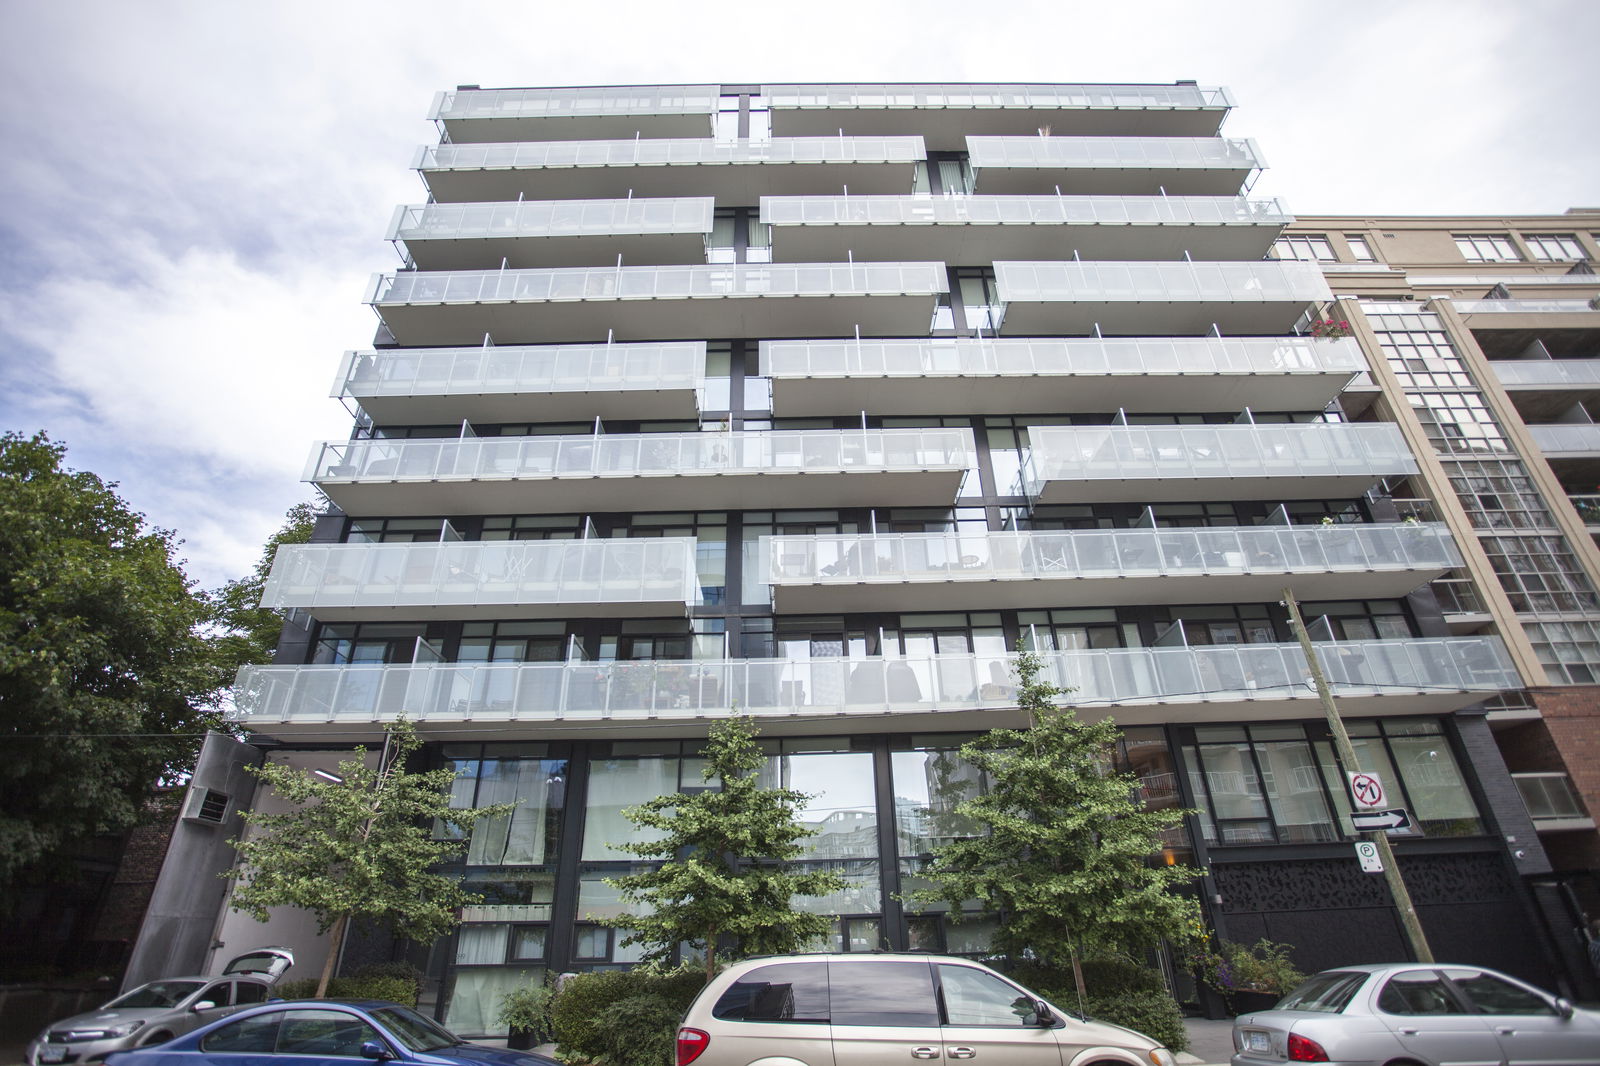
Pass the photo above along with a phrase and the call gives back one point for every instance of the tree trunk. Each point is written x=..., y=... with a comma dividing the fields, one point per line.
x=335, y=943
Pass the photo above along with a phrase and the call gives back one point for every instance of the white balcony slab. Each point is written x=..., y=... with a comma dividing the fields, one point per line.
x=832, y=573
x=425, y=308
x=1128, y=166
x=579, y=113
x=1102, y=464
x=1138, y=299
x=946, y=113
x=608, y=578
x=945, y=692
x=736, y=173
x=645, y=472
x=1021, y=375
x=1577, y=440
x=522, y=383
x=981, y=229
x=551, y=233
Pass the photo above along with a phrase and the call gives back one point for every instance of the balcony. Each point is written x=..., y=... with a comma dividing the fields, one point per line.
x=1588, y=508
x=1552, y=802
x=576, y=114
x=1139, y=299
x=1545, y=389
x=1017, y=375
x=424, y=309
x=539, y=383
x=734, y=172
x=459, y=580
x=945, y=114
x=831, y=573
x=646, y=472
x=1139, y=464
x=547, y=233
x=944, y=692
x=981, y=229
x=1530, y=317
x=1127, y=166
x=1576, y=440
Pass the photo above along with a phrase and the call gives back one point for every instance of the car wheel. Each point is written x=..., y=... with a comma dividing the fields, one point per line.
x=156, y=1038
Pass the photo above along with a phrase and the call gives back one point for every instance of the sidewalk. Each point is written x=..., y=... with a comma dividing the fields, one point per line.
x=1209, y=1042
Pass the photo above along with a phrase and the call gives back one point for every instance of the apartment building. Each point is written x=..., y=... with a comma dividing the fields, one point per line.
x=1483, y=334
x=811, y=402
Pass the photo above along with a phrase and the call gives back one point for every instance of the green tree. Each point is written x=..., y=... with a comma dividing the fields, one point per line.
x=108, y=678
x=726, y=861
x=357, y=846
x=1065, y=864
x=249, y=631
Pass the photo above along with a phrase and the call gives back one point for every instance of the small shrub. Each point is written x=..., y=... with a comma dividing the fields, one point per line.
x=1261, y=967
x=640, y=1031
x=579, y=1014
x=527, y=1010
x=393, y=982
x=1155, y=1014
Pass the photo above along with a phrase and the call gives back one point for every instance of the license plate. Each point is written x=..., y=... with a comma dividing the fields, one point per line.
x=1254, y=1041
x=52, y=1053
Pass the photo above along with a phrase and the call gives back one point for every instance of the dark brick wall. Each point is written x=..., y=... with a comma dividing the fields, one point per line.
x=1503, y=804
x=142, y=856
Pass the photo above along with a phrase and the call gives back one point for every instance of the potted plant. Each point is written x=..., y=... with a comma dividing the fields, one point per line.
x=1259, y=974
x=525, y=1012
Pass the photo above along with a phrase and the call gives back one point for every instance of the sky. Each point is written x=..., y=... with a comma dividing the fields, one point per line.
x=196, y=192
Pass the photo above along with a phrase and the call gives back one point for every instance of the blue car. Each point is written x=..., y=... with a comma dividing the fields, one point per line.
x=307, y=1032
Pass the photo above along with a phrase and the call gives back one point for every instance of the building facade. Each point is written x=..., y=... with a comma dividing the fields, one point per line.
x=811, y=402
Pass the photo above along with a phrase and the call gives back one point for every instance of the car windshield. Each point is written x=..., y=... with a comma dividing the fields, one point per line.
x=413, y=1030
x=1326, y=992
x=156, y=994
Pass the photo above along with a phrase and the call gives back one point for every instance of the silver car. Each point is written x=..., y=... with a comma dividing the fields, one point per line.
x=157, y=1011
x=1429, y=1014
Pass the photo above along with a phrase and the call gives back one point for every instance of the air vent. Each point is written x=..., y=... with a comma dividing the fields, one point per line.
x=207, y=805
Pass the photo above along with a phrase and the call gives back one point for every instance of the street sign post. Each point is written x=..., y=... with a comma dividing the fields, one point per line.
x=1367, y=852
x=1372, y=821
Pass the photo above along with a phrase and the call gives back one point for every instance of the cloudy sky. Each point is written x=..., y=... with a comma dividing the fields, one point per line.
x=196, y=192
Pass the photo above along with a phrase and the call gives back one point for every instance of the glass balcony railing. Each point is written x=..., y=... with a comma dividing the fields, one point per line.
x=1021, y=210
x=565, y=574
x=1032, y=357
x=1141, y=282
x=882, y=95
x=521, y=369
x=577, y=102
x=1458, y=596
x=657, y=283
x=1131, y=453
x=669, y=151
x=553, y=218
x=649, y=454
x=1549, y=796
x=1103, y=553
x=1101, y=678
x=1584, y=373
x=1115, y=153
x=1577, y=438
x=1524, y=307
x=1588, y=508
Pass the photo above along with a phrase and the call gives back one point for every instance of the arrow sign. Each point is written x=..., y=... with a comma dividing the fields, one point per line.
x=1391, y=820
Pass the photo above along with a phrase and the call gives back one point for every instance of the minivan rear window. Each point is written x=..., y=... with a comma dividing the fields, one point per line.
x=883, y=993
x=784, y=992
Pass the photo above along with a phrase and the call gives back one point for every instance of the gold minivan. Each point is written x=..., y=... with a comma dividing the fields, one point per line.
x=886, y=1010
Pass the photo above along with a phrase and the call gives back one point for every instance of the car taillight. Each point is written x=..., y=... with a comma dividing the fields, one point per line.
x=691, y=1042
x=1300, y=1050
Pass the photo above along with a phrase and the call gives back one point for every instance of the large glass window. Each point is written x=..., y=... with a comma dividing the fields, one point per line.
x=840, y=809
x=1487, y=248
x=616, y=784
x=1554, y=246
x=519, y=774
x=1307, y=247
x=929, y=783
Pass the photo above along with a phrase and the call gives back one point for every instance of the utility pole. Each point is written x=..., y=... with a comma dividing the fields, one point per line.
x=1347, y=756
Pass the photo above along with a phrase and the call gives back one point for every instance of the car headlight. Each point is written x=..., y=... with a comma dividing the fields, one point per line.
x=125, y=1029
x=1160, y=1056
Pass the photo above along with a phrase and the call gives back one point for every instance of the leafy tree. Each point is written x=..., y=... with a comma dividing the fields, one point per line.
x=107, y=676
x=360, y=846
x=250, y=631
x=726, y=860
x=1065, y=863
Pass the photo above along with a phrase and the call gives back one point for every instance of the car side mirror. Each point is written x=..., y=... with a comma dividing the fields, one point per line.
x=204, y=1004
x=1564, y=1006
x=375, y=1051
x=1043, y=1016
